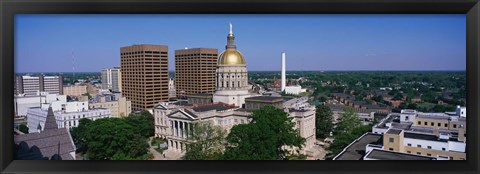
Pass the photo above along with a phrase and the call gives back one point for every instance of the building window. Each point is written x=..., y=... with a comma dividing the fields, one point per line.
x=409, y=144
x=446, y=125
x=443, y=148
x=429, y=154
x=432, y=124
x=454, y=125
x=418, y=145
x=418, y=153
x=390, y=140
x=439, y=124
x=391, y=149
x=419, y=123
x=426, y=123
x=409, y=152
x=429, y=147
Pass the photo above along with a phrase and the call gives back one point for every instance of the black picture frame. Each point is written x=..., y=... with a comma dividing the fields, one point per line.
x=8, y=9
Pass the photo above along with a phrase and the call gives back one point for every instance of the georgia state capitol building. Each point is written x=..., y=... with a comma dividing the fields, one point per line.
x=230, y=105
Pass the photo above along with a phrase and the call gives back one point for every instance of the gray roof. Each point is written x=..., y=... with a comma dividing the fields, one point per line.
x=51, y=122
x=356, y=151
x=218, y=107
x=265, y=98
x=394, y=131
x=391, y=155
x=48, y=142
x=422, y=136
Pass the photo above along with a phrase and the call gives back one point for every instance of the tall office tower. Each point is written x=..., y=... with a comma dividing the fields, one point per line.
x=232, y=76
x=144, y=75
x=112, y=79
x=33, y=85
x=284, y=76
x=195, y=71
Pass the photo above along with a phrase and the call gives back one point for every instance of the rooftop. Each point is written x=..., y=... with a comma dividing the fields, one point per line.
x=356, y=151
x=391, y=155
x=215, y=106
x=423, y=136
x=264, y=99
x=50, y=142
x=200, y=95
x=394, y=131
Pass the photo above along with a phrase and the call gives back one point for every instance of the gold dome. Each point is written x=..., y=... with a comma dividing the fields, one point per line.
x=231, y=57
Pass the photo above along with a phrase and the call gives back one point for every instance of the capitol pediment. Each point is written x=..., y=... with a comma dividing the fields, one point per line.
x=181, y=115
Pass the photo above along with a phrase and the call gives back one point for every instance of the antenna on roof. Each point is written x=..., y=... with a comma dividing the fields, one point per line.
x=73, y=65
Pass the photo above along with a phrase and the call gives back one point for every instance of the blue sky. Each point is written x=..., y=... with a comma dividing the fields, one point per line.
x=44, y=43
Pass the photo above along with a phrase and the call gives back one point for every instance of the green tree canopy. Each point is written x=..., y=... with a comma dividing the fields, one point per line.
x=143, y=123
x=347, y=121
x=113, y=137
x=78, y=135
x=263, y=138
x=323, y=121
x=205, y=142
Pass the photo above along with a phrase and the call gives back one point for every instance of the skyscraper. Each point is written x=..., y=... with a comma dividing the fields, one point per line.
x=32, y=85
x=195, y=71
x=144, y=74
x=112, y=79
x=232, y=77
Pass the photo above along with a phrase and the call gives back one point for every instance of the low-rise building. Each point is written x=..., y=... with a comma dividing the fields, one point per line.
x=119, y=106
x=22, y=102
x=74, y=90
x=67, y=114
x=430, y=136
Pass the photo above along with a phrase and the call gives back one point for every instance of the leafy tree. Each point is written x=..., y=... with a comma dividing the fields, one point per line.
x=263, y=138
x=343, y=140
x=87, y=94
x=78, y=134
x=323, y=121
x=143, y=123
x=114, y=138
x=347, y=121
x=206, y=141
x=412, y=106
x=23, y=128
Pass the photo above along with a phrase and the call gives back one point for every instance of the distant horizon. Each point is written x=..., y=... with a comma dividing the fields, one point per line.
x=290, y=71
x=319, y=42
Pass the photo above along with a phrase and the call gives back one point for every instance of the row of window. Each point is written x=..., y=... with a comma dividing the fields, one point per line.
x=143, y=52
x=184, y=55
x=438, y=124
x=428, y=147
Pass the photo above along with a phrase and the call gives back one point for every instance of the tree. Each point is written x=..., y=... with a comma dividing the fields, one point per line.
x=23, y=128
x=323, y=121
x=78, y=135
x=347, y=121
x=264, y=138
x=205, y=142
x=114, y=138
x=343, y=140
x=143, y=123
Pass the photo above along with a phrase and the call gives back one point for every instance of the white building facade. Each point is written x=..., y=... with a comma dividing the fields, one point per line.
x=67, y=114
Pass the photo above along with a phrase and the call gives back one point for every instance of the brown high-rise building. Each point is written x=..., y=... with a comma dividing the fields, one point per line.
x=195, y=71
x=144, y=75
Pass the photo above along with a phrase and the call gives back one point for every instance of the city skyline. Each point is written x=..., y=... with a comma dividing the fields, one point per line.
x=372, y=42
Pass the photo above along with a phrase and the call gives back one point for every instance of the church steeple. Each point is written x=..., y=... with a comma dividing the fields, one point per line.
x=230, y=40
x=51, y=122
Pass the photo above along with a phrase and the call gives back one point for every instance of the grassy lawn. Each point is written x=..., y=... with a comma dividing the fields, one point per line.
x=157, y=141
